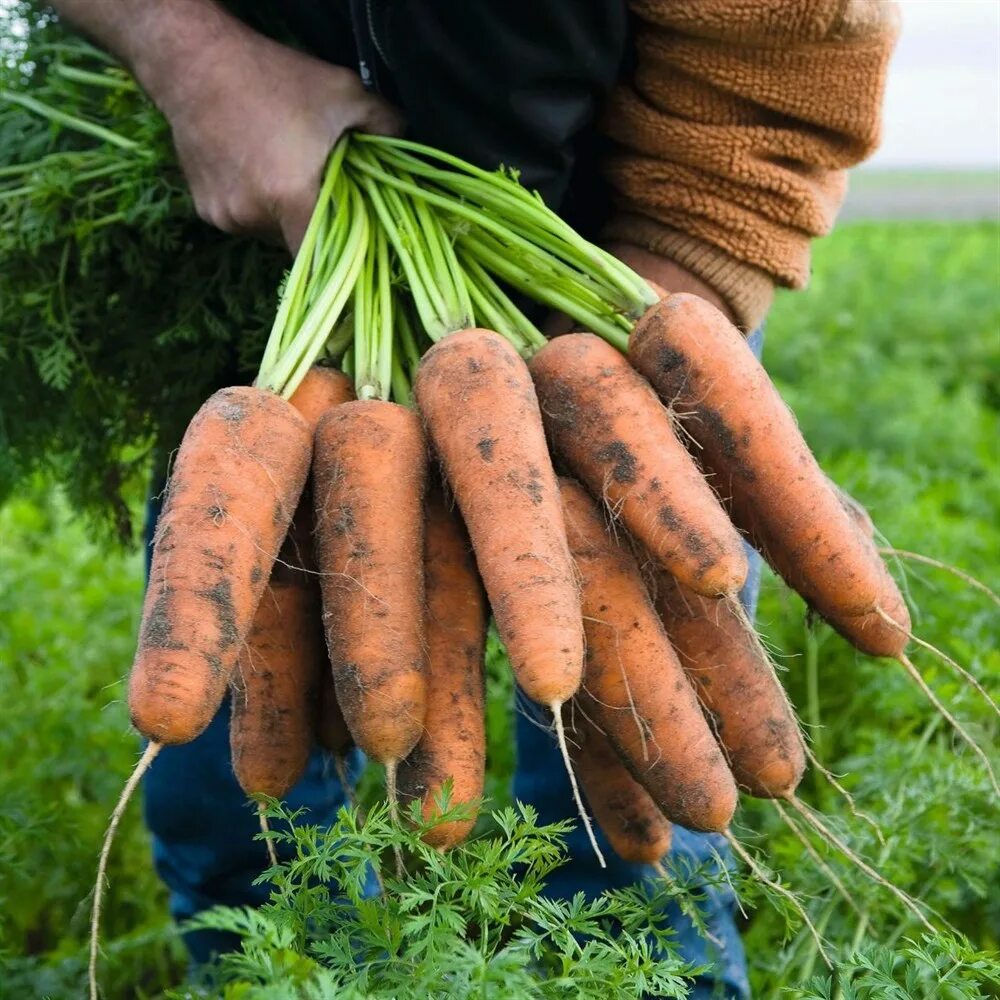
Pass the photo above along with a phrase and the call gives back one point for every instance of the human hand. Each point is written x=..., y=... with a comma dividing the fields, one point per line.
x=253, y=123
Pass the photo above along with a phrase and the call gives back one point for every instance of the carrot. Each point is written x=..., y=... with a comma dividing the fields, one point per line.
x=331, y=730
x=636, y=829
x=750, y=447
x=275, y=687
x=857, y=511
x=479, y=406
x=773, y=488
x=453, y=744
x=608, y=426
x=737, y=688
x=635, y=689
x=280, y=668
x=237, y=478
x=369, y=472
x=321, y=389
x=870, y=633
x=239, y=473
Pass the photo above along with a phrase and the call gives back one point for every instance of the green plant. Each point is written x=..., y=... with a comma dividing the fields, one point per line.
x=472, y=921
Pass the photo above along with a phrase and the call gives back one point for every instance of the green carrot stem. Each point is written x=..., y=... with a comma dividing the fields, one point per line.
x=402, y=393
x=488, y=316
x=535, y=221
x=288, y=317
x=384, y=355
x=96, y=79
x=407, y=340
x=411, y=231
x=364, y=377
x=530, y=254
x=291, y=367
x=525, y=329
x=580, y=293
x=498, y=186
x=338, y=341
x=329, y=245
x=423, y=298
x=70, y=121
x=438, y=272
x=544, y=290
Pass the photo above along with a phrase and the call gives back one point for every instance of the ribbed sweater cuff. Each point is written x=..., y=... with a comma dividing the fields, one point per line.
x=746, y=289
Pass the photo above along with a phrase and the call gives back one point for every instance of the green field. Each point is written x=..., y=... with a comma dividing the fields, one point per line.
x=892, y=363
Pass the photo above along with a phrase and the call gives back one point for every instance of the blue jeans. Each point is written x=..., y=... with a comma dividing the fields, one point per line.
x=204, y=848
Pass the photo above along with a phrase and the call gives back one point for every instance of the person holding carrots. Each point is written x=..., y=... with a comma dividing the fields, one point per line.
x=704, y=141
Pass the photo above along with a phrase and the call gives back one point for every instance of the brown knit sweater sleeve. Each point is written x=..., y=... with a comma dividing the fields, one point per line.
x=732, y=138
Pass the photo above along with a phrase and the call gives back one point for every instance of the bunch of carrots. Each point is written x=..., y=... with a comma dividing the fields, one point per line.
x=415, y=456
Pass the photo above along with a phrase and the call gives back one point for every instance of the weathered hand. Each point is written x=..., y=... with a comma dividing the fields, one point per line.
x=253, y=122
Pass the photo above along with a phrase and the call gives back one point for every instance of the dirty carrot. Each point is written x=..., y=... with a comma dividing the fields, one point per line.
x=453, y=744
x=613, y=433
x=479, y=406
x=635, y=689
x=369, y=474
x=234, y=487
x=636, y=829
x=750, y=446
x=737, y=687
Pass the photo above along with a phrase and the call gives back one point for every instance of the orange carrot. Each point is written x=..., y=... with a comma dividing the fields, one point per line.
x=235, y=483
x=281, y=666
x=453, y=744
x=607, y=424
x=369, y=472
x=481, y=413
x=636, y=829
x=749, y=445
x=635, y=689
x=275, y=687
x=737, y=688
x=331, y=730
x=870, y=633
x=857, y=511
x=478, y=402
x=321, y=389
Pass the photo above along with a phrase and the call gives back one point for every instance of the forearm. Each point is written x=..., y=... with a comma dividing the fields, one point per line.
x=165, y=43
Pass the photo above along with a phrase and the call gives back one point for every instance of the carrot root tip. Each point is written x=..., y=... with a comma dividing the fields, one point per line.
x=965, y=674
x=265, y=828
x=141, y=767
x=392, y=795
x=918, y=679
x=556, y=709
x=751, y=862
x=829, y=837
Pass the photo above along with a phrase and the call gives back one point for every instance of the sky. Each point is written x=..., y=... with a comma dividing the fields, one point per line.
x=943, y=98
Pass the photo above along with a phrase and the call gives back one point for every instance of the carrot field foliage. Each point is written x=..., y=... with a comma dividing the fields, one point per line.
x=891, y=363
